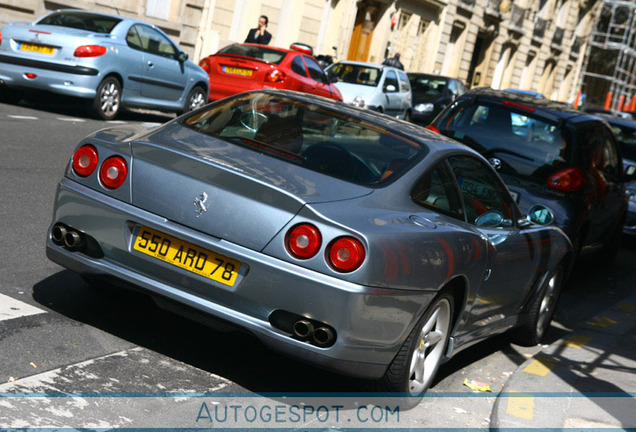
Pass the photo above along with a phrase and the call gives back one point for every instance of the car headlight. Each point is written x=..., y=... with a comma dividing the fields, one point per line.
x=424, y=107
x=358, y=101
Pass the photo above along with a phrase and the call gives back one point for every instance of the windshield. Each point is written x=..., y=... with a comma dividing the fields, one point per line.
x=427, y=86
x=81, y=20
x=255, y=52
x=626, y=137
x=356, y=74
x=527, y=144
x=315, y=137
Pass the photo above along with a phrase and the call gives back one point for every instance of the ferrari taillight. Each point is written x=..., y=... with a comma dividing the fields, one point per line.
x=567, y=180
x=303, y=241
x=432, y=128
x=90, y=51
x=275, y=76
x=346, y=254
x=85, y=160
x=113, y=172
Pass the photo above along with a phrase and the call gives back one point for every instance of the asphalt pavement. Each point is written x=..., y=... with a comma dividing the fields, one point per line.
x=585, y=380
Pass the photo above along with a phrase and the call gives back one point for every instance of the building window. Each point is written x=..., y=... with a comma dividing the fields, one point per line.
x=422, y=27
x=404, y=19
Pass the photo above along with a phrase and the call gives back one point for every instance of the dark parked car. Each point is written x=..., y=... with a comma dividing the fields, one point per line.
x=431, y=94
x=350, y=240
x=550, y=154
x=625, y=132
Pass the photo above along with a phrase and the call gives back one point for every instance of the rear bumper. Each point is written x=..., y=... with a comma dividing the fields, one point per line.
x=77, y=81
x=371, y=323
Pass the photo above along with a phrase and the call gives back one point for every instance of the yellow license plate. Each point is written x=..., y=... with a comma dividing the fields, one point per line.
x=37, y=48
x=237, y=71
x=187, y=256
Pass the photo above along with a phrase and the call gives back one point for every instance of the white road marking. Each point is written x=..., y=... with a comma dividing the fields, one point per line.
x=70, y=119
x=20, y=117
x=151, y=124
x=11, y=308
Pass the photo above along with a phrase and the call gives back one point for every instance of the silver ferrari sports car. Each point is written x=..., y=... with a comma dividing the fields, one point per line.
x=348, y=239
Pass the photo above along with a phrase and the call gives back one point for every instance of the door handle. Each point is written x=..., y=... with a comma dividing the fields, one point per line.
x=150, y=64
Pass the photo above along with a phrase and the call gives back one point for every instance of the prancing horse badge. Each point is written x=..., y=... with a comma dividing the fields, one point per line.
x=199, y=204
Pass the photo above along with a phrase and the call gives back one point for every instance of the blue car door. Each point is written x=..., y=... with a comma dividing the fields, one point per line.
x=164, y=76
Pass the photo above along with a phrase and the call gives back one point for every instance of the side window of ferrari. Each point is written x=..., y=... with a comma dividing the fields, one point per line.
x=481, y=191
x=436, y=191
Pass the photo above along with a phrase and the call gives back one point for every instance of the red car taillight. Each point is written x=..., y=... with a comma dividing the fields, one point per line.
x=432, y=128
x=275, y=76
x=0, y=38
x=346, y=254
x=303, y=241
x=567, y=180
x=90, y=51
x=113, y=172
x=85, y=160
x=205, y=64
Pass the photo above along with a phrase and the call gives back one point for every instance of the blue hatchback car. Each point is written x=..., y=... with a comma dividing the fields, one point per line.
x=111, y=60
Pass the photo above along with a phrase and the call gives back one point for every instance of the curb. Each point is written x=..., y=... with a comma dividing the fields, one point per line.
x=584, y=380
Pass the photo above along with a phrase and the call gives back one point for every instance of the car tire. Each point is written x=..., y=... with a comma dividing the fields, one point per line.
x=407, y=116
x=380, y=109
x=107, y=103
x=414, y=367
x=537, y=320
x=196, y=99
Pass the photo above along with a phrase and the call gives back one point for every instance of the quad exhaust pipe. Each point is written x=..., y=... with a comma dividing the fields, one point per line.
x=64, y=235
x=321, y=336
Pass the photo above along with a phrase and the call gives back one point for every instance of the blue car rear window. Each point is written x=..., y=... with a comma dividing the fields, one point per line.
x=81, y=20
x=325, y=140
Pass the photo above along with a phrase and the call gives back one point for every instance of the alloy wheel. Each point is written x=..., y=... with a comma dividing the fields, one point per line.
x=430, y=348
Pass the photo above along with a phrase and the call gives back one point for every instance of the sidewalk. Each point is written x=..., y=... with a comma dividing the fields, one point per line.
x=587, y=380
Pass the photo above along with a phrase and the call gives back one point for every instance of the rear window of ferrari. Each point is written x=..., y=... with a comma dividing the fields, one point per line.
x=81, y=20
x=255, y=52
x=320, y=139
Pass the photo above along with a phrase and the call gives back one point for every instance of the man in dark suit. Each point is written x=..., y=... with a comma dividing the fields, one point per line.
x=259, y=35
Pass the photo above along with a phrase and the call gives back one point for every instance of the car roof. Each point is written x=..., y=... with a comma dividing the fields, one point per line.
x=122, y=19
x=619, y=121
x=434, y=76
x=544, y=107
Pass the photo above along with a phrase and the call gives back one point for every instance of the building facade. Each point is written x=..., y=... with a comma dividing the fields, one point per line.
x=529, y=44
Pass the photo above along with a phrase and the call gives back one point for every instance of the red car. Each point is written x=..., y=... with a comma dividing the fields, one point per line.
x=242, y=67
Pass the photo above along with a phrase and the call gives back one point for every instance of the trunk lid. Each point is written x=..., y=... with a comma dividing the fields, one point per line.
x=48, y=43
x=222, y=189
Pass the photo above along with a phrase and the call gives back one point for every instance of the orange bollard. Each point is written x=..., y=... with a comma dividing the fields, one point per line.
x=576, y=102
x=621, y=101
x=608, y=100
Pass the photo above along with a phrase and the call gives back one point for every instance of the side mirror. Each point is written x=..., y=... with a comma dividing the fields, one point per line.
x=182, y=56
x=540, y=215
x=390, y=88
x=489, y=219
